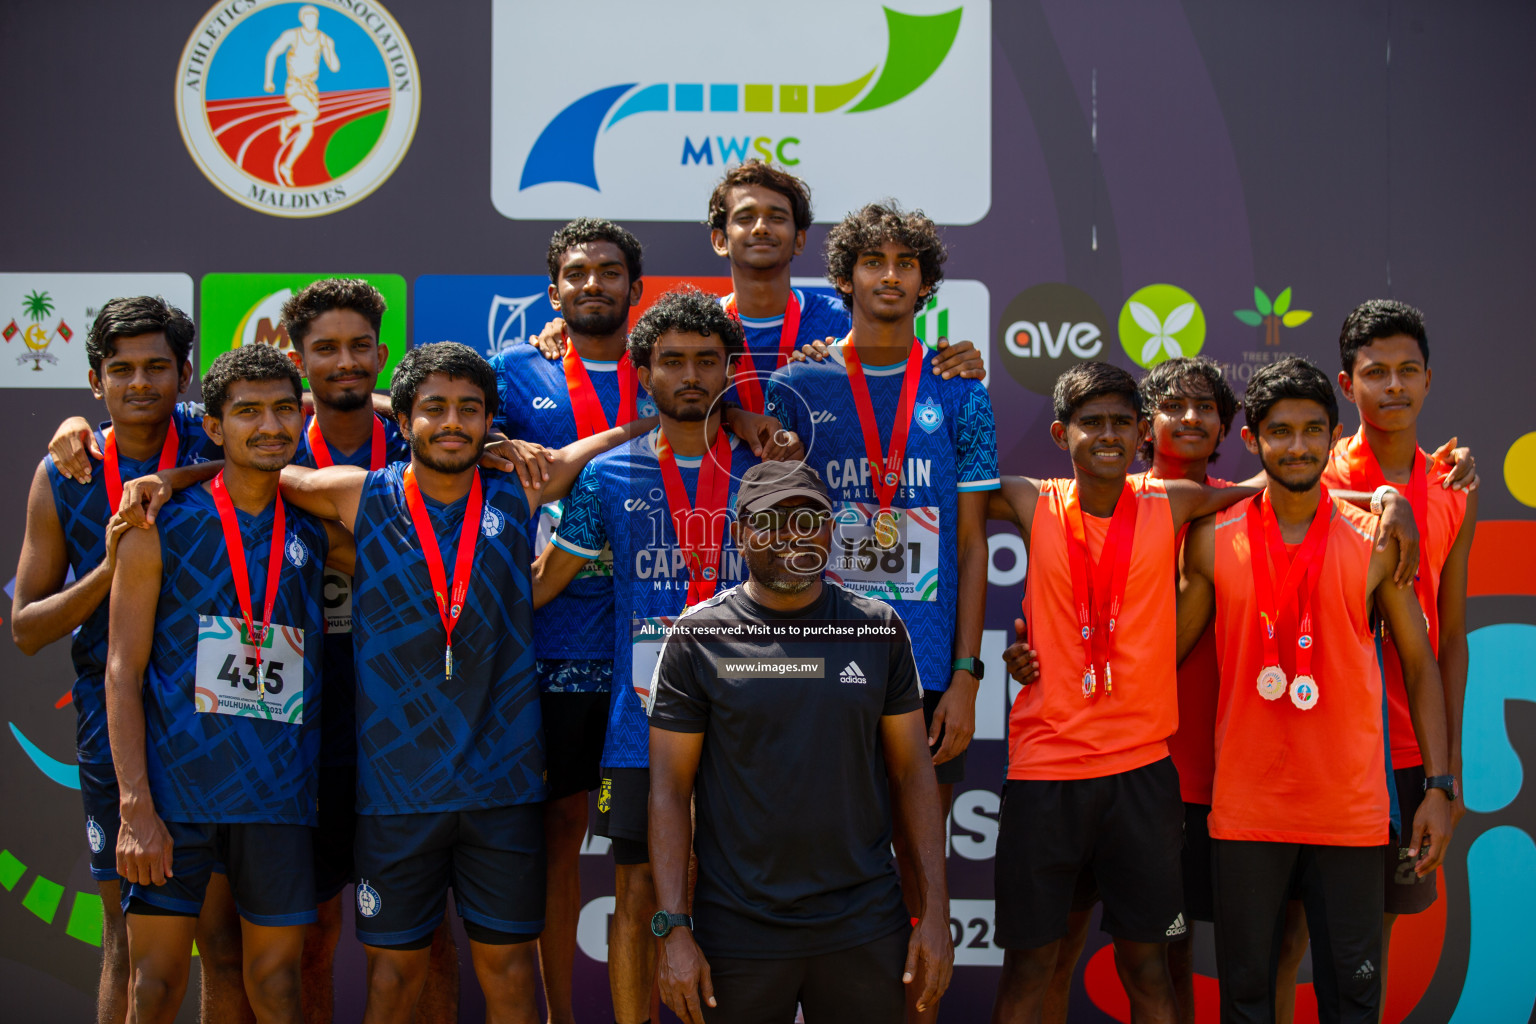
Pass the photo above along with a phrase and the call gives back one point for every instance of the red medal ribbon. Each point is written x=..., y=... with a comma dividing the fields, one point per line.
x=115, y=474
x=1365, y=474
x=322, y=451
x=1264, y=533
x=885, y=467
x=1098, y=590
x=235, y=545
x=714, y=486
x=448, y=607
x=748, y=388
x=585, y=407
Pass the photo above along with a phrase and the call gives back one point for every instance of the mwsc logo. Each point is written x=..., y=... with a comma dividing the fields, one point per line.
x=837, y=91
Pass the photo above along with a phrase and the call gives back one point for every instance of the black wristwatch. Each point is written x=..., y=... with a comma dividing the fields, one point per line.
x=1445, y=783
x=972, y=665
x=663, y=923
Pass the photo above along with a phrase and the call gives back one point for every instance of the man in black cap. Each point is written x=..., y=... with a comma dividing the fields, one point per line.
x=784, y=705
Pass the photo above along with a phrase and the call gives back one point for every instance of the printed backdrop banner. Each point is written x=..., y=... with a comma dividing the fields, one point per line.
x=1118, y=181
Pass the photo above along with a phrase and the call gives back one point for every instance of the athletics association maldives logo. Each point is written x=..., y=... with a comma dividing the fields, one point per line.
x=297, y=109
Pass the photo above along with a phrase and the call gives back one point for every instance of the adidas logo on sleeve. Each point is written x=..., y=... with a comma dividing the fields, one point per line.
x=852, y=674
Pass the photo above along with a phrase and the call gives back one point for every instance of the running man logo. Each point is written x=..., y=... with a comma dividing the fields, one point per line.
x=819, y=104
x=294, y=110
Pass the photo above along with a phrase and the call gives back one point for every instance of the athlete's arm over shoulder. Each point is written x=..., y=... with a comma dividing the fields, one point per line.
x=341, y=553
x=1188, y=500
x=42, y=608
x=334, y=492
x=1454, y=657
x=143, y=844
x=1197, y=584
x=567, y=463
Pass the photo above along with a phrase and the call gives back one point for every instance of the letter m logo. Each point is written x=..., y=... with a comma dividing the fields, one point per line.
x=701, y=155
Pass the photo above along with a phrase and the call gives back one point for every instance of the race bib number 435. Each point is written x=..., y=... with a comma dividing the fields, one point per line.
x=228, y=681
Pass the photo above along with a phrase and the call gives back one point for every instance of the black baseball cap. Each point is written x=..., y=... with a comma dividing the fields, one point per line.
x=768, y=483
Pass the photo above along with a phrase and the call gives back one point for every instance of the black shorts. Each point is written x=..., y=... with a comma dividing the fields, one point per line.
x=336, y=833
x=1127, y=827
x=1199, y=889
x=1406, y=892
x=860, y=984
x=270, y=869
x=623, y=812
x=575, y=726
x=493, y=859
x=953, y=770
x=98, y=792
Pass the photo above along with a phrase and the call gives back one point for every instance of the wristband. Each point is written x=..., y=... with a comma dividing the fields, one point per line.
x=1378, y=497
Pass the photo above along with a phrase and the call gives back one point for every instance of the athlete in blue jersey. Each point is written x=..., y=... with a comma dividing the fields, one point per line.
x=214, y=700
x=450, y=751
x=138, y=349
x=334, y=326
x=758, y=216
x=628, y=500
x=908, y=460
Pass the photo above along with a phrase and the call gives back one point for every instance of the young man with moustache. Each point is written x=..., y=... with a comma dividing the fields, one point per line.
x=797, y=900
x=450, y=750
x=139, y=351
x=334, y=326
x=909, y=461
x=1292, y=578
x=1384, y=349
x=213, y=699
x=661, y=504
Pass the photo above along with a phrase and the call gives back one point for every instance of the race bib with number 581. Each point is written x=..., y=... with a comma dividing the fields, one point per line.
x=227, y=680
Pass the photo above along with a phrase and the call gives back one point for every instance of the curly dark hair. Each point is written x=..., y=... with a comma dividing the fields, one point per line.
x=689, y=311
x=1379, y=318
x=1288, y=378
x=1186, y=377
x=1086, y=381
x=879, y=224
x=353, y=293
x=130, y=317
x=593, y=229
x=449, y=358
x=755, y=172
x=248, y=362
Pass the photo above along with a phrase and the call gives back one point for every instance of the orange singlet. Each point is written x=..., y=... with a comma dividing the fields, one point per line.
x=1285, y=775
x=1054, y=731
x=1351, y=467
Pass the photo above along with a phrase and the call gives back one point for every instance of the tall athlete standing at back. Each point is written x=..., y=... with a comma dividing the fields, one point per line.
x=909, y=461
x=138, y=350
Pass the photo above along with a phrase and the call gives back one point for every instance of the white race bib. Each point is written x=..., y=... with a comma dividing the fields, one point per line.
x=226, y=681
x=646, y=638
x=907, y=572
x=337, y=594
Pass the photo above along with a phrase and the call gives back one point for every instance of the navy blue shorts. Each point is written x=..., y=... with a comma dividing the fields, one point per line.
x=270, y=869
x=493, y=859
x=336, y=831
x=98, y=792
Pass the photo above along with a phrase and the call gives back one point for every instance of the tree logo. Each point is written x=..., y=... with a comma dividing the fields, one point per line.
x=1161, y=322
x=1272, y=315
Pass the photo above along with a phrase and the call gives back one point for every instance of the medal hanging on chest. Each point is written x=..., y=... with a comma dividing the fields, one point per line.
x=322, y=451
x=885, y=462
x=450, y=604
x=234, y=545
x=167, y=461
x=1098, y=589
x=699, y=525
x=1267, y=555
x=748, y=388
x=585, y=407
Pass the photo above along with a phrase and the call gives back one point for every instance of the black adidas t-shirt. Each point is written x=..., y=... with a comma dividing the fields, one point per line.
x=793, y=810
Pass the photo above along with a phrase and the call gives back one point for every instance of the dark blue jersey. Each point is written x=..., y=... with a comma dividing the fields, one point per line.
x=426, y=742
x=951, y=449
x=338, y=730
x=83, y=514
x=535, y=405
x=822, y=316
x=242, y=764
x=621, y=501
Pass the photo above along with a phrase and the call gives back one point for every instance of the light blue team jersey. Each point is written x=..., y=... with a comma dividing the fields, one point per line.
x=951, y=448
x=620, y=501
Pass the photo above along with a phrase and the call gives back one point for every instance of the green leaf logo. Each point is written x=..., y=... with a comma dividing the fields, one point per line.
x=1161, y=322
x=1272, y=315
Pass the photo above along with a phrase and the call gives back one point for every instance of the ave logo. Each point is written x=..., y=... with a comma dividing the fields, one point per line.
x=1048, y=328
